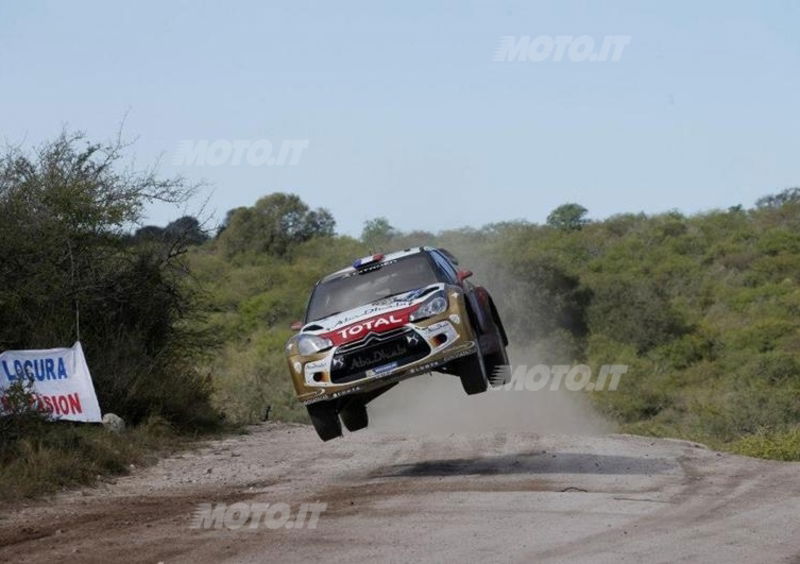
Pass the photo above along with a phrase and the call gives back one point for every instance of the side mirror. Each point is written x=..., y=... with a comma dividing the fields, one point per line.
x=464, y=274
x=296, y=326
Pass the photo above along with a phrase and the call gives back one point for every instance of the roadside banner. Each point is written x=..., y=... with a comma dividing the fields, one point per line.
x=60, y=381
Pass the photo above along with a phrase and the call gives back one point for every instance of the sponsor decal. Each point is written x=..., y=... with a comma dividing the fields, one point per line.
x=381, y=306
x=428, y=366
x=436, y=326
x=377, y=324
x=344, y=392
x=316, y=365
x=385, y=368
x=379, y=355
x=369, y=311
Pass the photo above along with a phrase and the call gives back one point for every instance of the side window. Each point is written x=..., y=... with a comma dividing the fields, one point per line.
x=444, y=265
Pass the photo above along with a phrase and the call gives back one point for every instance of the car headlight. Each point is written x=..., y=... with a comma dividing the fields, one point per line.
x=311, y=344
x=435, y=305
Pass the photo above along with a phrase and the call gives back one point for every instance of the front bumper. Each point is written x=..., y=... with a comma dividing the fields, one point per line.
x=381, y=359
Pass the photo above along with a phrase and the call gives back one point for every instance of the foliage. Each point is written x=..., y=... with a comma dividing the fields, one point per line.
x=788, y=196
x=784, y=445
x=45, y=457
x=273, y=226
x=69, y=265
x=186, y=229
x=704, y=310
x=377, y=234
x=567, y=217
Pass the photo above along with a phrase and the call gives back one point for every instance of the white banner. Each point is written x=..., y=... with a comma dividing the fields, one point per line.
x=61, y=383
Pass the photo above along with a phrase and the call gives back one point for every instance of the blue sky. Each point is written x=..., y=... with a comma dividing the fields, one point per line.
x=406, y=113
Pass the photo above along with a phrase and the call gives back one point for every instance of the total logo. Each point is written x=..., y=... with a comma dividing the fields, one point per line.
x=376, y=323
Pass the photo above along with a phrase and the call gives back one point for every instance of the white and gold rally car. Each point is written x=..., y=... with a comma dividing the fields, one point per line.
x=387, y=318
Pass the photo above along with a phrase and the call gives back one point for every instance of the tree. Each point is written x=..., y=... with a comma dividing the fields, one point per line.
x=67, y=209
x=274, y=225
x=788, y=196
x=188, y=229
x=568, y=217
x=148, y=233
x=377, y=233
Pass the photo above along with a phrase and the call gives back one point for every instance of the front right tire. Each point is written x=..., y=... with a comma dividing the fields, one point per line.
x=354, y=416
x=472, y=371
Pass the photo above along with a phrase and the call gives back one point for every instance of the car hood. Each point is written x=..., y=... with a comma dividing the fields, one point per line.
x=385, y=314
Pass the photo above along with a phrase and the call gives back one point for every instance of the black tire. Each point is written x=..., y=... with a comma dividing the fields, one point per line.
x=496, y=363
x=472, y=372
x=325, y=420
x=354, y=416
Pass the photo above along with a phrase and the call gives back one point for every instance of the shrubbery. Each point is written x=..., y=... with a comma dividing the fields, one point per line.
x=69, y=264
x=703, y=309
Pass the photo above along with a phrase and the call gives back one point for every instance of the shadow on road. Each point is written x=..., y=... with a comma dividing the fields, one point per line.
x=536, y=463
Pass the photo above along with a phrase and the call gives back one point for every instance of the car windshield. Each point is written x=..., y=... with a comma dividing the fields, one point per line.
x=360, y=288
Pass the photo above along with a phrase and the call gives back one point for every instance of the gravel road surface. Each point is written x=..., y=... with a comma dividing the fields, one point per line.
x=501, y=496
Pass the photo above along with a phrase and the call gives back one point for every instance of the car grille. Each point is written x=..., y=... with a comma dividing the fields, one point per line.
x=352, y=362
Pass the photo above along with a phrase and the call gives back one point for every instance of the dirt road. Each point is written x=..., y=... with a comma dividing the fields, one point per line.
x=492, y=497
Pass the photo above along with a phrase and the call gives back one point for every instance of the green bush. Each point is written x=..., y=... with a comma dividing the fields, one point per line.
x=777, y=445
x=68, y=256
x=704, y=310
x=634, y=312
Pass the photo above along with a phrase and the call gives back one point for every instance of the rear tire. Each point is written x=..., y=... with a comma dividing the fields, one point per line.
x=325, y=420
x=354, y=416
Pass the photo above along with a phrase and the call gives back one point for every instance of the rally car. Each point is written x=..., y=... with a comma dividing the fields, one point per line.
x=387, y=318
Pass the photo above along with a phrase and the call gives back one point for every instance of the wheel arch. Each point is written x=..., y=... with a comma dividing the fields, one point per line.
x=498, y=321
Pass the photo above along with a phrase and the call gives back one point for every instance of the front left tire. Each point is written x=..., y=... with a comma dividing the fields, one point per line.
x=325, y=420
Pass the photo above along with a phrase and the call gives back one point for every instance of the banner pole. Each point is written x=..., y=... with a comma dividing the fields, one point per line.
x=74, y=293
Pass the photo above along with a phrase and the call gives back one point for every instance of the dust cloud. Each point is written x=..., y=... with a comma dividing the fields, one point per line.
x=436, y=404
